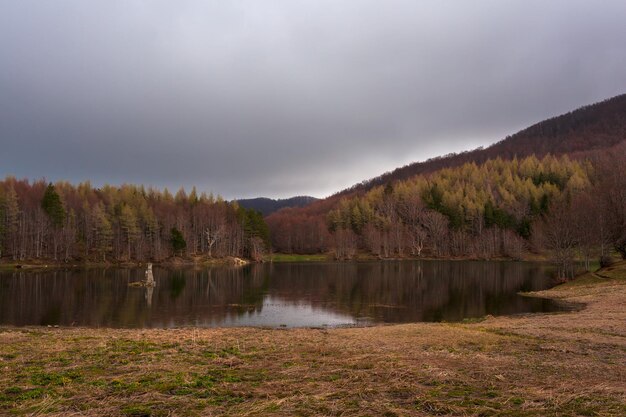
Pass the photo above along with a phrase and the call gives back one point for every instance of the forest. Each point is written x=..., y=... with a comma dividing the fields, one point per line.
x=558, y=206
x=63, y=222
x=505, y=200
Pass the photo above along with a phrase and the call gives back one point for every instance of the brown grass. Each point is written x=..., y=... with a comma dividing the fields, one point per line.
x=534, y=365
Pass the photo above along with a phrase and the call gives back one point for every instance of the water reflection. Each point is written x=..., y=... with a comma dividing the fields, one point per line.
x=273, y=295
x=149, y=291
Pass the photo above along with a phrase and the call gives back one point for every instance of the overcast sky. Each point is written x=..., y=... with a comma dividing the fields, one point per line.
x=282, y=98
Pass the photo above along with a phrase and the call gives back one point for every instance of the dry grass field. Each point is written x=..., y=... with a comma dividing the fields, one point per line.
x=564, y=364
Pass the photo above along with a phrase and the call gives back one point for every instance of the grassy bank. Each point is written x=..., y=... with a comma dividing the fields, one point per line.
x=533, y=365
x=366, y=257
x=293, y=257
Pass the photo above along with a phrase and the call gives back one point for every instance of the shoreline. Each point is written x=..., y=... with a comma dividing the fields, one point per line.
x=567, y=363
x=201, y=262
x=169, y=263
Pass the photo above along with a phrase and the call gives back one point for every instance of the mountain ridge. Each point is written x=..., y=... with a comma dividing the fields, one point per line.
x=594, y=126
x=268, y=206
x=580, y=133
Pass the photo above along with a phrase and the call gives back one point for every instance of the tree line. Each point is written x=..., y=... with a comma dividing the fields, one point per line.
x=562, y=207
x=501, y=208
x=63, y=222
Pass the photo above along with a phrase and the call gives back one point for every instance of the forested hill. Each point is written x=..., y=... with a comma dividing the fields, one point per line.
x=596, y=126
x=501, y=208
x=268, y=206
x=593, y=136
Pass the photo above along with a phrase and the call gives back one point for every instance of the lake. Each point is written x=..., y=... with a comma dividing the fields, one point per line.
x=275, y=295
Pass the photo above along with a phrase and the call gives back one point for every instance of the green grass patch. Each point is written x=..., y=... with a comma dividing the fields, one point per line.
x=292, y=257
x=471, y=320
x=133, y=347
x=613, y=272
x=142, y=410
x=616, y=271
x=592, y=406
x=20, y=394
x=42, y=378
x=222, y=353
x=583, y=280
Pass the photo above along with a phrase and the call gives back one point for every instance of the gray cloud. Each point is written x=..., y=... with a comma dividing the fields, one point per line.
x=277, y=98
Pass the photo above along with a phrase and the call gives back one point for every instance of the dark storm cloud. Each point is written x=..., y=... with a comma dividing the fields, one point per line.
x=277, y=98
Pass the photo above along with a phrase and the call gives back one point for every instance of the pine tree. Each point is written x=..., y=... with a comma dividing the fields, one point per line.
x=52, y=205
x=177, y=240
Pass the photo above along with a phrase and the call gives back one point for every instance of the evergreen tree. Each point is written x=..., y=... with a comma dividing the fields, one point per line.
x=52, y=205
x=254, y=227
x=177, y=240
x=490, y=218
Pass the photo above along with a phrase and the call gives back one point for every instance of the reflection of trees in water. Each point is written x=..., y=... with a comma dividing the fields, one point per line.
x=410, y=291
x=102, y=297
x=148, y=295
x=388, y=291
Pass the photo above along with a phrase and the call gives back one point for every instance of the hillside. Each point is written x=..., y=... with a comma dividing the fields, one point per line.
x=580, y=134
x=596, y=126
x=268, y=206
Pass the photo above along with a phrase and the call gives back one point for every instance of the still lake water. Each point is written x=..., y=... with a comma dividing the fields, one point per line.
x=292, y=295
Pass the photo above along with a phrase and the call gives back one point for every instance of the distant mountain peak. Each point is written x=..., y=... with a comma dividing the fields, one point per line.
x=268, y=206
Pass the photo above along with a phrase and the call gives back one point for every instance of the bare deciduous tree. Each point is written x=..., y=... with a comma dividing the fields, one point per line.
x=557, y=233
x=214, y=234
x=436, y=225
x=345, y=244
